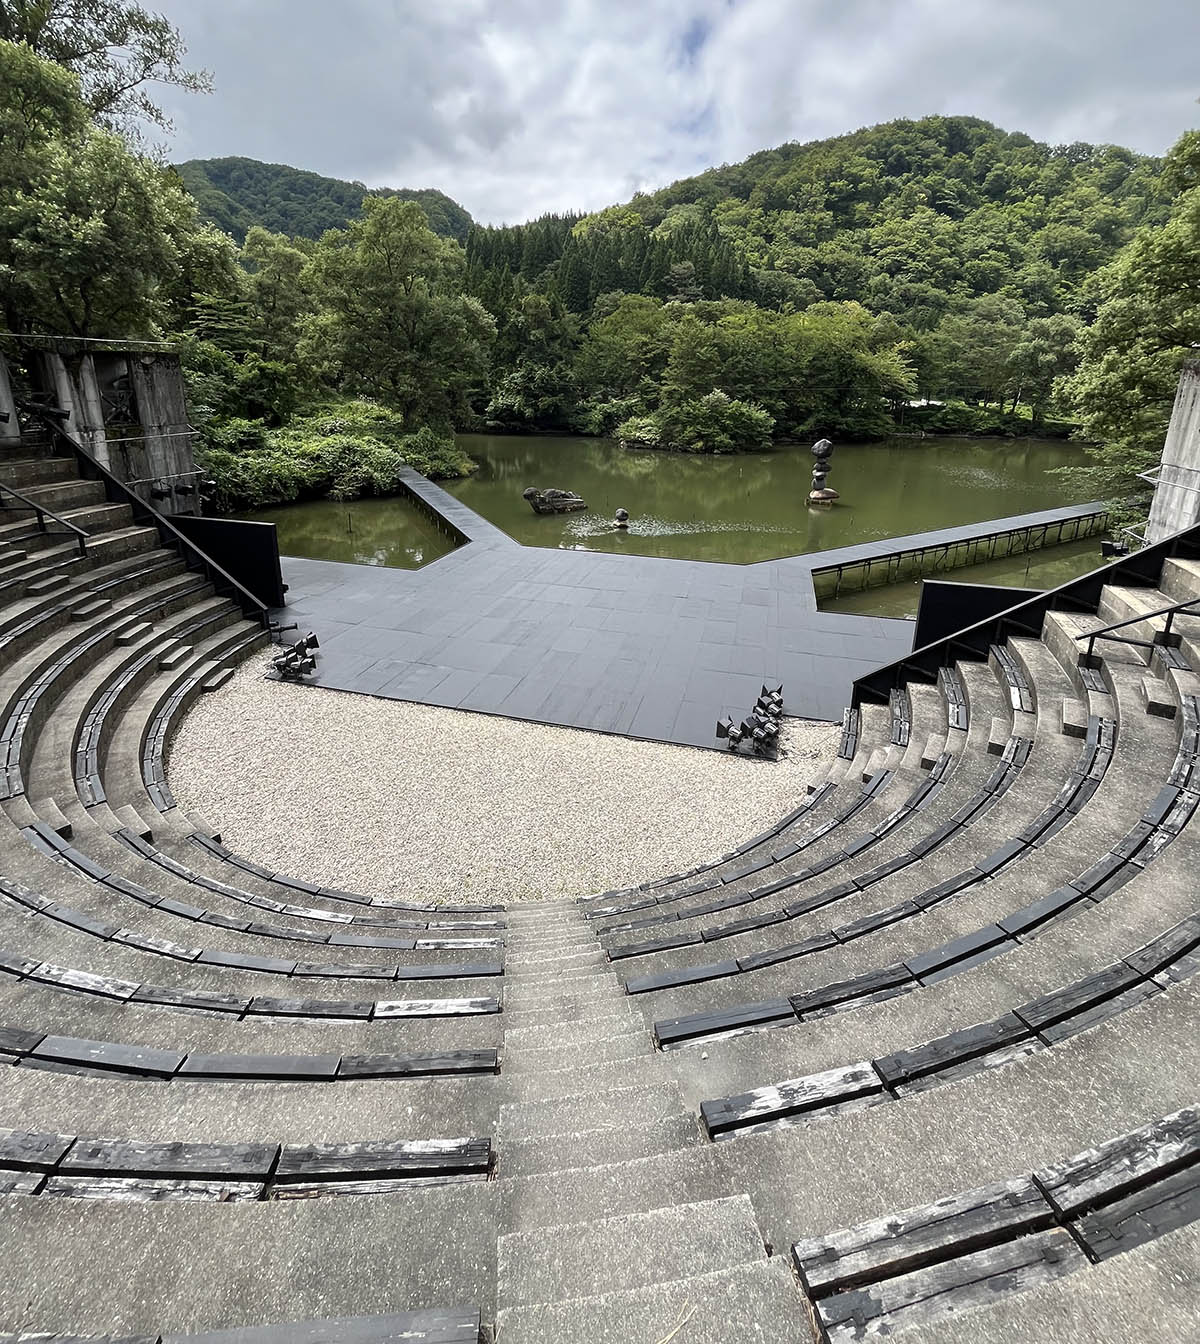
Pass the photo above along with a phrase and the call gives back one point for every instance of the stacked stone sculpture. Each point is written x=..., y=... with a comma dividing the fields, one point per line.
x=821, y=493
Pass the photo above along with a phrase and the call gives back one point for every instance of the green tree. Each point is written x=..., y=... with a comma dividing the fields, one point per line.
x=976, y=345
x=1046, y=351
x=1147, y=324
x=115, y=48
x=694, y=364
x=276, y=291
x=392, y=321
x=92, y=235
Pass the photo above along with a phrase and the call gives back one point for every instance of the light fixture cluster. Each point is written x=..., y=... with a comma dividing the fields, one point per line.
x=297, y=660
x=761, y=728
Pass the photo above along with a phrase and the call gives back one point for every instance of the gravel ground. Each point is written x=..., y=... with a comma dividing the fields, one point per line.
x=414, y=801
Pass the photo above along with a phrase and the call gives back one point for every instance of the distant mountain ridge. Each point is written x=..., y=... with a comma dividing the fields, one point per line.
x=237, y=193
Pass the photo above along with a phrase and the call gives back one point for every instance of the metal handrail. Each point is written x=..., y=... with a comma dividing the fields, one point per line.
x=118, y=492
x=64, y=524
x=1080, y=596
x=1161, y=637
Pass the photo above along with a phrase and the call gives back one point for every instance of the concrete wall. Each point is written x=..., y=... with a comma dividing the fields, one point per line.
x=1177, y=496
x=128, y=409
x=10, y=429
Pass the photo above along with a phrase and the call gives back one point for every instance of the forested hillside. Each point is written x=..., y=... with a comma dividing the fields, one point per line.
x=235, y=194
x=938, y=275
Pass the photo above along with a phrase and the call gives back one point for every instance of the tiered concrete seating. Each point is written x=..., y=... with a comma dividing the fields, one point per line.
x=916, y=1060
x=166, y=1007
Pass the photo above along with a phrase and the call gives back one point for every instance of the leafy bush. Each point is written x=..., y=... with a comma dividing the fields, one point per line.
x=601, y=418
x=714, y=423
x=956, y=417
x=340, y=451
x=639, y=431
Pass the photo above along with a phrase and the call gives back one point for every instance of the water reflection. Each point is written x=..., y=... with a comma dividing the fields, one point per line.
x=753, y=507
x=390, y=532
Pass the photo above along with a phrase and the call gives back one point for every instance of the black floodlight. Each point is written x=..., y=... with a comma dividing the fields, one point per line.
x=732, y=732
x=774, y=697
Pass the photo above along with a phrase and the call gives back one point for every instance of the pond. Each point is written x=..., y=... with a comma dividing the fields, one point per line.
x=752, y=507
x=392, y=532
x=736, y=509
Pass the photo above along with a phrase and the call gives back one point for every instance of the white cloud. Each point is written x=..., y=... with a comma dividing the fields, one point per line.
x=515, y=107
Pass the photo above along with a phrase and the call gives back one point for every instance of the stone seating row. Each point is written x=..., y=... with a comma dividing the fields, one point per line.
x=880, y=776
x=965, y=781
x=64, y=1166
x=34, y=705
x=1080, y=786
x=154, y=750
x=1061, y=857
x=76, y=1055
x=450, y=1325
x=1039, y=1024
x=937, y=1260
x=17, y=895
x=837, y=787
x=23, y=624
x=444, y=933
x=1159, y=825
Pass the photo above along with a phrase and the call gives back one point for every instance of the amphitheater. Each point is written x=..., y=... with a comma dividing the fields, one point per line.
x=911, y=1053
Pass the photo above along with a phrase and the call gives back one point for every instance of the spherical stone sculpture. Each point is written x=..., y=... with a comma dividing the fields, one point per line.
x=621, y=519
x=821, y=493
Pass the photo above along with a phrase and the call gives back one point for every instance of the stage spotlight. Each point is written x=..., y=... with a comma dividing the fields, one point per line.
x=730, y=730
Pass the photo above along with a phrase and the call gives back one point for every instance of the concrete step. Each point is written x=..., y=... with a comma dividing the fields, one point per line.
x=606, y=1255
x=571, y=1036
x=90, y=607
x=48, y=584
x=752, y=1304
x=1180, y=579
x=22, y=473
x=622, y=1108
x=554, y=1059
x=597, y=1076
x=91, y=518
x=1156, y=698
x=174, y=656
x=597, y=1147
x=608, y=1190
x=134, y=634
x=60, y=496
x=217, y=678
x=568, y=1010
x=1073, y=717
x=524, y=993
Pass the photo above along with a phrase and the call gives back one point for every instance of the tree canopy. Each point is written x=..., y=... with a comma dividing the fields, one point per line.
x=1146, y=323
x=114, y=47
x=235, y=194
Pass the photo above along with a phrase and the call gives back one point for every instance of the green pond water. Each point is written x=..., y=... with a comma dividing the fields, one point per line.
x=752, y=506
x=736, y=509
x=1034, y=569
x=391, y=532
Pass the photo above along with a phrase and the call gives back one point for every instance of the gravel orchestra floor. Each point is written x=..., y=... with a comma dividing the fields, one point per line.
x=438, y=804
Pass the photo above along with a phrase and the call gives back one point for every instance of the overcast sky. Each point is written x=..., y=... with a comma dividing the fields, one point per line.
x=516, y=107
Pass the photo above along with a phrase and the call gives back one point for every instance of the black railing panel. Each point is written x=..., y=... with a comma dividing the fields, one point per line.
x=1077, y=595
